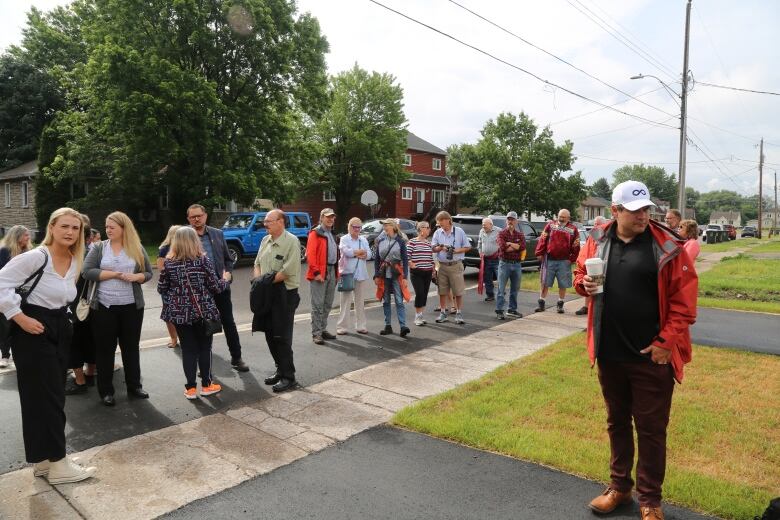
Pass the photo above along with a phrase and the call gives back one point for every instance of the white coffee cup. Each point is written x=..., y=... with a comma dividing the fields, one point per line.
x=595, y=269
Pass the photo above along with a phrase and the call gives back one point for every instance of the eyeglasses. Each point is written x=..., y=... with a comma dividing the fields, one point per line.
x=355, y=227
x=266, y=221
x=193, y=217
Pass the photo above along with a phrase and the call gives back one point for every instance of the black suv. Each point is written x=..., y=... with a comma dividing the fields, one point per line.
x=472, y=224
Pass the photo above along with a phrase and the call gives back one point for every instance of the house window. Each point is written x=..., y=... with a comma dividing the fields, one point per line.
x=328, y=196
x=7, y=194
x=438, y=197
x=165, y=198
x=407, y=159
x=437, y=164
x=25, y=194
x=406, y=193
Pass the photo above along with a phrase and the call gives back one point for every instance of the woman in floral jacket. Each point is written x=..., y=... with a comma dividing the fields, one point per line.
x=187, y=284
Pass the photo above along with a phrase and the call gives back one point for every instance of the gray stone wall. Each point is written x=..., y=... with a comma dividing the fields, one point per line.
x=17, y=214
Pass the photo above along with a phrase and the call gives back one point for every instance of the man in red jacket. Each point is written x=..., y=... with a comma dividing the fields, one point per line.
x=557, y=248
x=322, y=253
x=638, y=332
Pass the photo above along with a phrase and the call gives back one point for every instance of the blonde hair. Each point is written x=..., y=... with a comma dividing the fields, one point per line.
x=131, y=242
x=185, y=245
x=689, y=228
x=354, y=221
x=169, y=236
x=12, y=238
x=77, y=249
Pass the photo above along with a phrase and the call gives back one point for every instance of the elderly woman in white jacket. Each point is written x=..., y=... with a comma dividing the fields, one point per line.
x=354, y=253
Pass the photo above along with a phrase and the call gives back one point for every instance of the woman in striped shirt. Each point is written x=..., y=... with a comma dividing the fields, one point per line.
x=421, y=268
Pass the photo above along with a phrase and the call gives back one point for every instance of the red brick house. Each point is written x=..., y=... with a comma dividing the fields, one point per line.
x=428, y=188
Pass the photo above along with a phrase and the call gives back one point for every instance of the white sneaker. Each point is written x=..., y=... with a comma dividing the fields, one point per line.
x=64, y=471
x=41, y=469
x=418, y=319
x=4, y=362
x=459, y=318
x=442, y=317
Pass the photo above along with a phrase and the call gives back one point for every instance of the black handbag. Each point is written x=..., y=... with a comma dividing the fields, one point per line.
x=24, y=293
x=346, y=281
x=209, y=326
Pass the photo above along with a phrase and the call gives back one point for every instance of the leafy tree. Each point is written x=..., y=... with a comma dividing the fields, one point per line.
x=691, y=197
x=211, y=99
x=29, y=99
x=601, y=188
x=517, y=166
x=362, y=136
x=662, y=185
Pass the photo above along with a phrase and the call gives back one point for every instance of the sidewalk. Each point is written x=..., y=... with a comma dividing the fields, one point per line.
x=152, y=474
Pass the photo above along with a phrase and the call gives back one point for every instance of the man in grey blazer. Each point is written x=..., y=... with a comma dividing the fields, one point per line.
x=216, y=248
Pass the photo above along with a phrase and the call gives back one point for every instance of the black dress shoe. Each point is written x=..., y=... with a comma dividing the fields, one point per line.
x=387, y=330
x=73, y=388
x=272, y=380
x=284, y=384
x=138, y=393
x=327, y=335
x=405, y=331
x=108, y=400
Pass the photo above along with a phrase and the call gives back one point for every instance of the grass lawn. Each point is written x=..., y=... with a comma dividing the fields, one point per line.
x=530, y=281
x=720, y=247
x=724, y=435
x=742, y=282
x=772, y=246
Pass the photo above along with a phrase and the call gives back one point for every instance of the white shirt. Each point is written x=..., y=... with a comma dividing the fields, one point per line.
x=347, y=245
x=52, y=292
x=115, y=291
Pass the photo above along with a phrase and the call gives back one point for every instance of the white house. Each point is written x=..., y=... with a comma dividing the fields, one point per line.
x=726, y=217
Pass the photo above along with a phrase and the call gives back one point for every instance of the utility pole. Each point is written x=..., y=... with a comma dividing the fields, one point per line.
x=683, y=114
x=760, y=184
x=774, y=226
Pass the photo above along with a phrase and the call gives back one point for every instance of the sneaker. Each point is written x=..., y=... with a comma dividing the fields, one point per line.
x=418, y=319
x=514, y=313
x=41, y=469
x=582, y=311
x=4, y=362
x=442, y=317
x=64, y=471
x=212, y=389
x=191, y=393
x=318, y=340
x=500, y=315
x=560, y=306
x=459, y=318
x=341, y=332
x=541, y=303
x=490, y=298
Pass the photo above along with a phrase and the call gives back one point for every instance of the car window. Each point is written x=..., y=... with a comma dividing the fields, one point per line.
x=300, y=221
x=527, y=229
x=371, y=227
x=407, y=225
x=287, y=221
x=470, y=225
x=238, y=222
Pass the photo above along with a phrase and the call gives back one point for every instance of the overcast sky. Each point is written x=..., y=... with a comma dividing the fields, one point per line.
x=450, y=90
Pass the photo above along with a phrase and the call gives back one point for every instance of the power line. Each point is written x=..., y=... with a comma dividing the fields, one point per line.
x=494, y=24
x=600, y=109
x=582, y=138
x=626, y=161
x=622, y=39
x=738, y=89
x=517, y=67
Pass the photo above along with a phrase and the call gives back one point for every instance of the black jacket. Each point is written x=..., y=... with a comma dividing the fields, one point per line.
x=268, y=302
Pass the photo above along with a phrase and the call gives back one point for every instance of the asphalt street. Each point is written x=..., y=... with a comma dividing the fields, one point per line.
x=754, y=331
x=387, y=473
x=92, y=424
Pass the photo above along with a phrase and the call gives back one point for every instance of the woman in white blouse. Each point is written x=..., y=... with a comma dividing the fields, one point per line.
x=41, y=334
x=354, y=253
x=119, y=266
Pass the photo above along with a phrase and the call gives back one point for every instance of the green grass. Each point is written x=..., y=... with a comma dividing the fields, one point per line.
x=724, y=435
x=720, y=247
x=742, y=279
x=773, y=246
x=530, y=281
x=152, y=252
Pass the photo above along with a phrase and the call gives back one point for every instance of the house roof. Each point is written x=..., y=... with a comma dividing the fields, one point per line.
x=415, y=143
x=28, y=169
x=729, y=215
x=430, y=179
x=595, y=201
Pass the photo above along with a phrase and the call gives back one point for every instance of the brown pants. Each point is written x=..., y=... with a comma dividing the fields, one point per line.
x=642, y=391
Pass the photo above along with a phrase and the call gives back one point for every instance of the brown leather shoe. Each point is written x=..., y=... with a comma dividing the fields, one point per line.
x=651, y=513
x=609, y=500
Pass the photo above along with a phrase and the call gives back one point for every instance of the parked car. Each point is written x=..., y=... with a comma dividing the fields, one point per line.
x=748, y=231
x=471, y=224
x=373, y=228
x=244, y=231
x=732, y=231
x=538, y=226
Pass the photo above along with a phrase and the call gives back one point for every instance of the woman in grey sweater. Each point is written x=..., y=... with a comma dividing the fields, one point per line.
x=391, y=266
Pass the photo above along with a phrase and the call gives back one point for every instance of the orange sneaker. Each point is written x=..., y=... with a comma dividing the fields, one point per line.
x=191, y=393
x=212, y=389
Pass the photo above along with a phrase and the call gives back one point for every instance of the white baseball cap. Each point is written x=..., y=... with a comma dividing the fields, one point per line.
x=632, y=195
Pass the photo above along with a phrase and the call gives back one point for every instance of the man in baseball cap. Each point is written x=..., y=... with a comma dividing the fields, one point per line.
x=632, y=195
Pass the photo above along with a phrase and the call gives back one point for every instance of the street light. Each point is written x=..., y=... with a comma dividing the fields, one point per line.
x=680, y=100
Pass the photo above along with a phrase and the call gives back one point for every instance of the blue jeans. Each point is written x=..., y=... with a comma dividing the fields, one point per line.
x=393, y=287
x=512, y=272
x=490, y=274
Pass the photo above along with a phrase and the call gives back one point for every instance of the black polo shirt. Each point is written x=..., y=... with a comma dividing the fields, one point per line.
x=631, y=319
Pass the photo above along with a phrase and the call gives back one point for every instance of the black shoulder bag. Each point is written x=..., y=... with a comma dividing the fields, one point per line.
x=24, y=293
x=210, y=327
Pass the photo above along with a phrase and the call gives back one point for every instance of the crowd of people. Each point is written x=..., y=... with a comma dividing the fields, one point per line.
x=71, y=301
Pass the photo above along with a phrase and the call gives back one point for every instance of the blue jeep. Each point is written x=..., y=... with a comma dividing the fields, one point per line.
x=244, y=231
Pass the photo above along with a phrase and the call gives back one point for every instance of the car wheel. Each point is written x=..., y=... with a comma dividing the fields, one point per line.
x=235, y=253
x=303, y=251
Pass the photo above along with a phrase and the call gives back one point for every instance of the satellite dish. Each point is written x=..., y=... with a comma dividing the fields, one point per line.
x=369, y=198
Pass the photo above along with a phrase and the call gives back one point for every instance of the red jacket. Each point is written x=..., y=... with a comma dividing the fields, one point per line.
x=317, y=254
x=678, y=286
x=559, y=242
